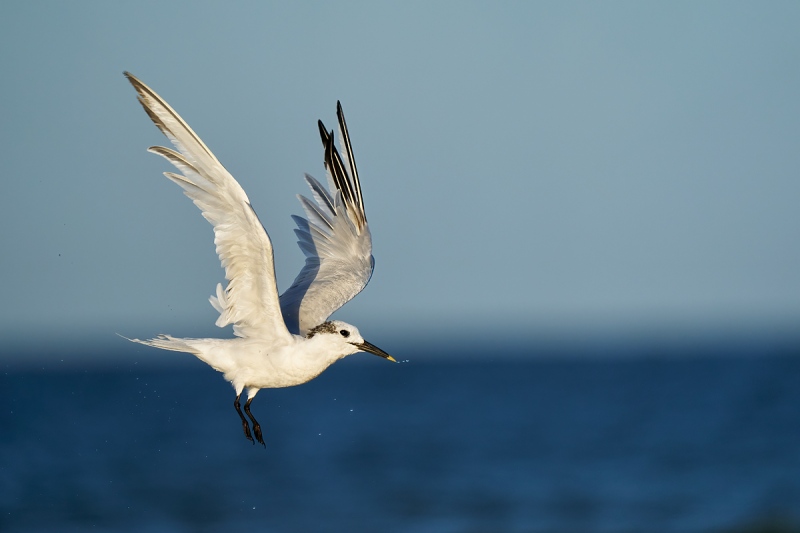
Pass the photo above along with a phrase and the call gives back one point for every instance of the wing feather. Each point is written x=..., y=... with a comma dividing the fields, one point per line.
x=315, y=214
x=321, y=195
x=335, y=238
x=250, y=300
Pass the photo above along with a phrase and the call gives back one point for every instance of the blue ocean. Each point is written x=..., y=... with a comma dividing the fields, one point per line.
x=472, y=441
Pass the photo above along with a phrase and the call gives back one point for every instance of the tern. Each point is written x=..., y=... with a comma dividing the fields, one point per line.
x=279, y=341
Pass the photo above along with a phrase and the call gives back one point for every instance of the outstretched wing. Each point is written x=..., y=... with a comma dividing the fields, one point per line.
x=250, y=301
x=334, y=237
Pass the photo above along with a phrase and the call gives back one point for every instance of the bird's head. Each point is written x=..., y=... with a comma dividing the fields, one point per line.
x=346, y=337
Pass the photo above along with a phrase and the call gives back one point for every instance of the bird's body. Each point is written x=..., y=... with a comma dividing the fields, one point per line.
x=260, y=363
x=280, y=341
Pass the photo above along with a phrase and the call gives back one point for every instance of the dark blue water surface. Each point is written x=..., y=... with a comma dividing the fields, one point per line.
x=562, y=445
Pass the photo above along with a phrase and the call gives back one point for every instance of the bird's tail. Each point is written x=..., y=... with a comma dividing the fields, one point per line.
x=167, y=342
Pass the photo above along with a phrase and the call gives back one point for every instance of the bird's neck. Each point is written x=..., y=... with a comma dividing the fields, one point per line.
x=320, y=351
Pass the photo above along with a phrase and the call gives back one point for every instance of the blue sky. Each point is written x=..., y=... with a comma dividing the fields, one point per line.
x=562, y=166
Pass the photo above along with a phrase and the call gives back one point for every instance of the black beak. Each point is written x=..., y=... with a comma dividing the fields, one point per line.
x=371, y=348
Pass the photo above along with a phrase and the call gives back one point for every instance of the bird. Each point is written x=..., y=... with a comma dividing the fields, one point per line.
x=286, y=340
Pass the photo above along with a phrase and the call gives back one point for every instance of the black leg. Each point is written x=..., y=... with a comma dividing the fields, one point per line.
x=245, y=425
x=256, y=425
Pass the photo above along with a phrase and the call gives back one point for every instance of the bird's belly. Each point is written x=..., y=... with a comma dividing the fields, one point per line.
x=275, y=374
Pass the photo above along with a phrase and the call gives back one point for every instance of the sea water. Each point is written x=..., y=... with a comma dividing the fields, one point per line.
x=707, y=443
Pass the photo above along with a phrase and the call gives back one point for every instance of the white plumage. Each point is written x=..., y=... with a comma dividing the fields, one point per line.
x=283, y=341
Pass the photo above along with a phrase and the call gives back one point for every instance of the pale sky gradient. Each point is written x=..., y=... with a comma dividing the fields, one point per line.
x=564, y=165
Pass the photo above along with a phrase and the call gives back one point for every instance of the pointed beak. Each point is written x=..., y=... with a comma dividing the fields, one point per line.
x=371, y=348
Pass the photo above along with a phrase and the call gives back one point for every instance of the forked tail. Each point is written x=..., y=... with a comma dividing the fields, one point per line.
x=167, y=342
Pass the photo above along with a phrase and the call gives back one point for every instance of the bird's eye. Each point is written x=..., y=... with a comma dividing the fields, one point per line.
x=344, y=333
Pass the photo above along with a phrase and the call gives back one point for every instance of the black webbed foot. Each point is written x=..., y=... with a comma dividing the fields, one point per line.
x=256, y=425
x=245, y=425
